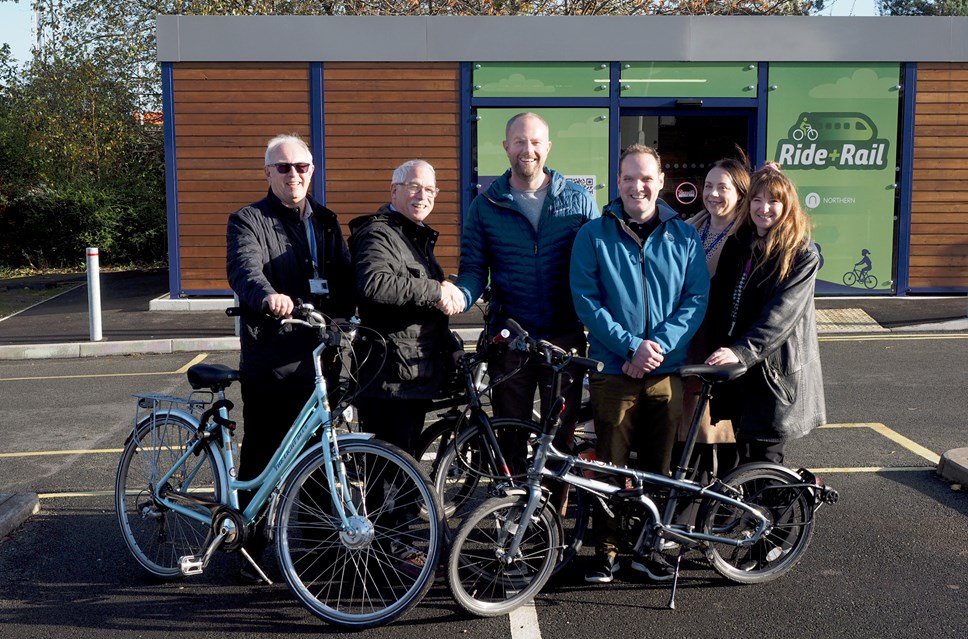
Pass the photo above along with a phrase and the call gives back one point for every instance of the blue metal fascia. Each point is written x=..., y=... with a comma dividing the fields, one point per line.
x=171, y=178
x=938, y=290
x=614, y=128
x=317, y=126
x=673, y=103
x=207, y=292
x=467, y=176
x=909, y=81
x=535, y=103
x=763, y=84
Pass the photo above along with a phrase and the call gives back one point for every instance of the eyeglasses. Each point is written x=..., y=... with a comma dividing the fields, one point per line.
x=414, y=188
x=284, y=167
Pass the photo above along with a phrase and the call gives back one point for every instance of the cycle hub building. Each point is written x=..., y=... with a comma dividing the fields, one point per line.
x=868, y=116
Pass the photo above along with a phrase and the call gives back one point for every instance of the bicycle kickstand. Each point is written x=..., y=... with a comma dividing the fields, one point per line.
x=675, y=582
x=258, y=568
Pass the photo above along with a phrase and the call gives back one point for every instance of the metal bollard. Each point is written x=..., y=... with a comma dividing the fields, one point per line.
x=94, y=293
x=238, y=318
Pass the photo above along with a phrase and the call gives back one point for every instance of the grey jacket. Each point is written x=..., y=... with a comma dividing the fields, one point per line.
x=781, y=395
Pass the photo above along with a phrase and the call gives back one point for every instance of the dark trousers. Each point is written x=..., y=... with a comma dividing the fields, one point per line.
x=395, y=421
x=269, y=407
x=515, y=397
x=754, y=451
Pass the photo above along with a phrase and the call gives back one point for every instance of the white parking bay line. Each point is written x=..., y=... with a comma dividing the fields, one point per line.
x=524, y=622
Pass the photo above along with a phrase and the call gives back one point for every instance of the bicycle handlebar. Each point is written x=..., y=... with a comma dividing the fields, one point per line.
x=330, y=331
x=552, y=354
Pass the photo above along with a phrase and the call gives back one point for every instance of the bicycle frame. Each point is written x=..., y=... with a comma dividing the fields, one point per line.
x=678, y=486
x=314, y=414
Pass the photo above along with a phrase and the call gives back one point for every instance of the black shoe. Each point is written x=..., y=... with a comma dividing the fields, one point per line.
x=655, y=567
x=248, y=575
x=604, y=569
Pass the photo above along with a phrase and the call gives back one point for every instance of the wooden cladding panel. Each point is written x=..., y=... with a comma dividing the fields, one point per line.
x=939, y=224
x=378, y=116
x=224, y=115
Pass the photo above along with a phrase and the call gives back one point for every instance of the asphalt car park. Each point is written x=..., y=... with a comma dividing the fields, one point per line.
x=886, y=561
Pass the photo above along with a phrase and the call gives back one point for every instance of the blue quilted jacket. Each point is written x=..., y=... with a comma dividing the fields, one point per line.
x=527, y=269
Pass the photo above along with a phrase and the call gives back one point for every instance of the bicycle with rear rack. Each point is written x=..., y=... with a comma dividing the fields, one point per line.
x=753, y=525
x=356, y=525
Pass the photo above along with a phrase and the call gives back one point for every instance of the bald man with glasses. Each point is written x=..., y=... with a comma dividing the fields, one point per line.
x=284, y=249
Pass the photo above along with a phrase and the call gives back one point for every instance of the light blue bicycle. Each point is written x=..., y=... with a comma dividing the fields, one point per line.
x=356, y=524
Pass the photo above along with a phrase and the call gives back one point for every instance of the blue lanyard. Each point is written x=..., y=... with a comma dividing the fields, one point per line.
x=311, y=236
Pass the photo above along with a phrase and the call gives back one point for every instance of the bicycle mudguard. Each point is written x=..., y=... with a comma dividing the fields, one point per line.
x=764, y=465
x=175, y=412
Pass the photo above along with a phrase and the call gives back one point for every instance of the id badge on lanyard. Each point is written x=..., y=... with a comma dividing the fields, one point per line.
x=317, y=284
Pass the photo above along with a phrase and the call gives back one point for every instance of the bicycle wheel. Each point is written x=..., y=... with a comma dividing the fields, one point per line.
x=434, y=439
x=156, y=536
x=850, y=278
x=481, y=580
x=371, y=576
x=777, y=493
x=467, y=474
x=870, y=281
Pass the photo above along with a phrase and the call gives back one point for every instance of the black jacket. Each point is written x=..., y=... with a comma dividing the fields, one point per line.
x=781, y=395
x=267, y=252
x=398, y=286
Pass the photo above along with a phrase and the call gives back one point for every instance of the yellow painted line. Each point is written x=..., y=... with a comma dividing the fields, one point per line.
x=892, y=337
x=44, y=453
x=198, y=359
x=895, y=437
x=91, y=493
x=180, y=371
x=873, y=469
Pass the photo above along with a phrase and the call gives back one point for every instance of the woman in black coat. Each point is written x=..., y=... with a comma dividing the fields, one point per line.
x=762, y=314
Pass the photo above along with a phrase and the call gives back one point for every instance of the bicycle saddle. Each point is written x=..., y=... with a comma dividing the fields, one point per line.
x=712, y=374
x=214, y=376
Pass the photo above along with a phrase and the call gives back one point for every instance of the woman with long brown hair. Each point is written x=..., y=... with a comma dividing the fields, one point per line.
x=724, y=190
x=762, y=314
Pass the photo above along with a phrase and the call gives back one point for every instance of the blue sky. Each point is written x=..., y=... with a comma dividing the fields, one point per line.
x=15, y=25
x=15, y=21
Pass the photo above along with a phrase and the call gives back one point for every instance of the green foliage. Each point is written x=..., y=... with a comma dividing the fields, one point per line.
x=922, y=7
x=79, y=167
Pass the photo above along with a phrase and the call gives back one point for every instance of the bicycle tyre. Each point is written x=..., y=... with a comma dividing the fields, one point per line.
x=465, y=476
x=156, y=536
x=870, y=281
x=782, y=546
x=480, y=582
x=434, y=439
x=850, y=278
x=363, y=581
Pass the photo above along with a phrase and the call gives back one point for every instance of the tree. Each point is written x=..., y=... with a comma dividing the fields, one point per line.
x=922, y=7
x=79, y=167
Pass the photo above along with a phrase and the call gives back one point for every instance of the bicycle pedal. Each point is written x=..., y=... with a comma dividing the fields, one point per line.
x=190, y=565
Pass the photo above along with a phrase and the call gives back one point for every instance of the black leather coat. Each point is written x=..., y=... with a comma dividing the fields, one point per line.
x=780, y=397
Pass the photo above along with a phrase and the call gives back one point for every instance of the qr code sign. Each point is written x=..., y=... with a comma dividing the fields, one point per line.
x=587, y=181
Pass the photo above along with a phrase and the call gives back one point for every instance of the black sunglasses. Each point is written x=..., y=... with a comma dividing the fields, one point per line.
x=284, y=167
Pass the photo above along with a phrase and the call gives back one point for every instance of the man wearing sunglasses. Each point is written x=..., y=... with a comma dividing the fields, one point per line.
x=284, y=249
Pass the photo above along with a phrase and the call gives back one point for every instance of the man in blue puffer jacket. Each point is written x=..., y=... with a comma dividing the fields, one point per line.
x=640, y=285
x=518, y=234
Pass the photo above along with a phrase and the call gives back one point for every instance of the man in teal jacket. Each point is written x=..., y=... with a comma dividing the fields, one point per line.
x=518, y=235
x=640, y=285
